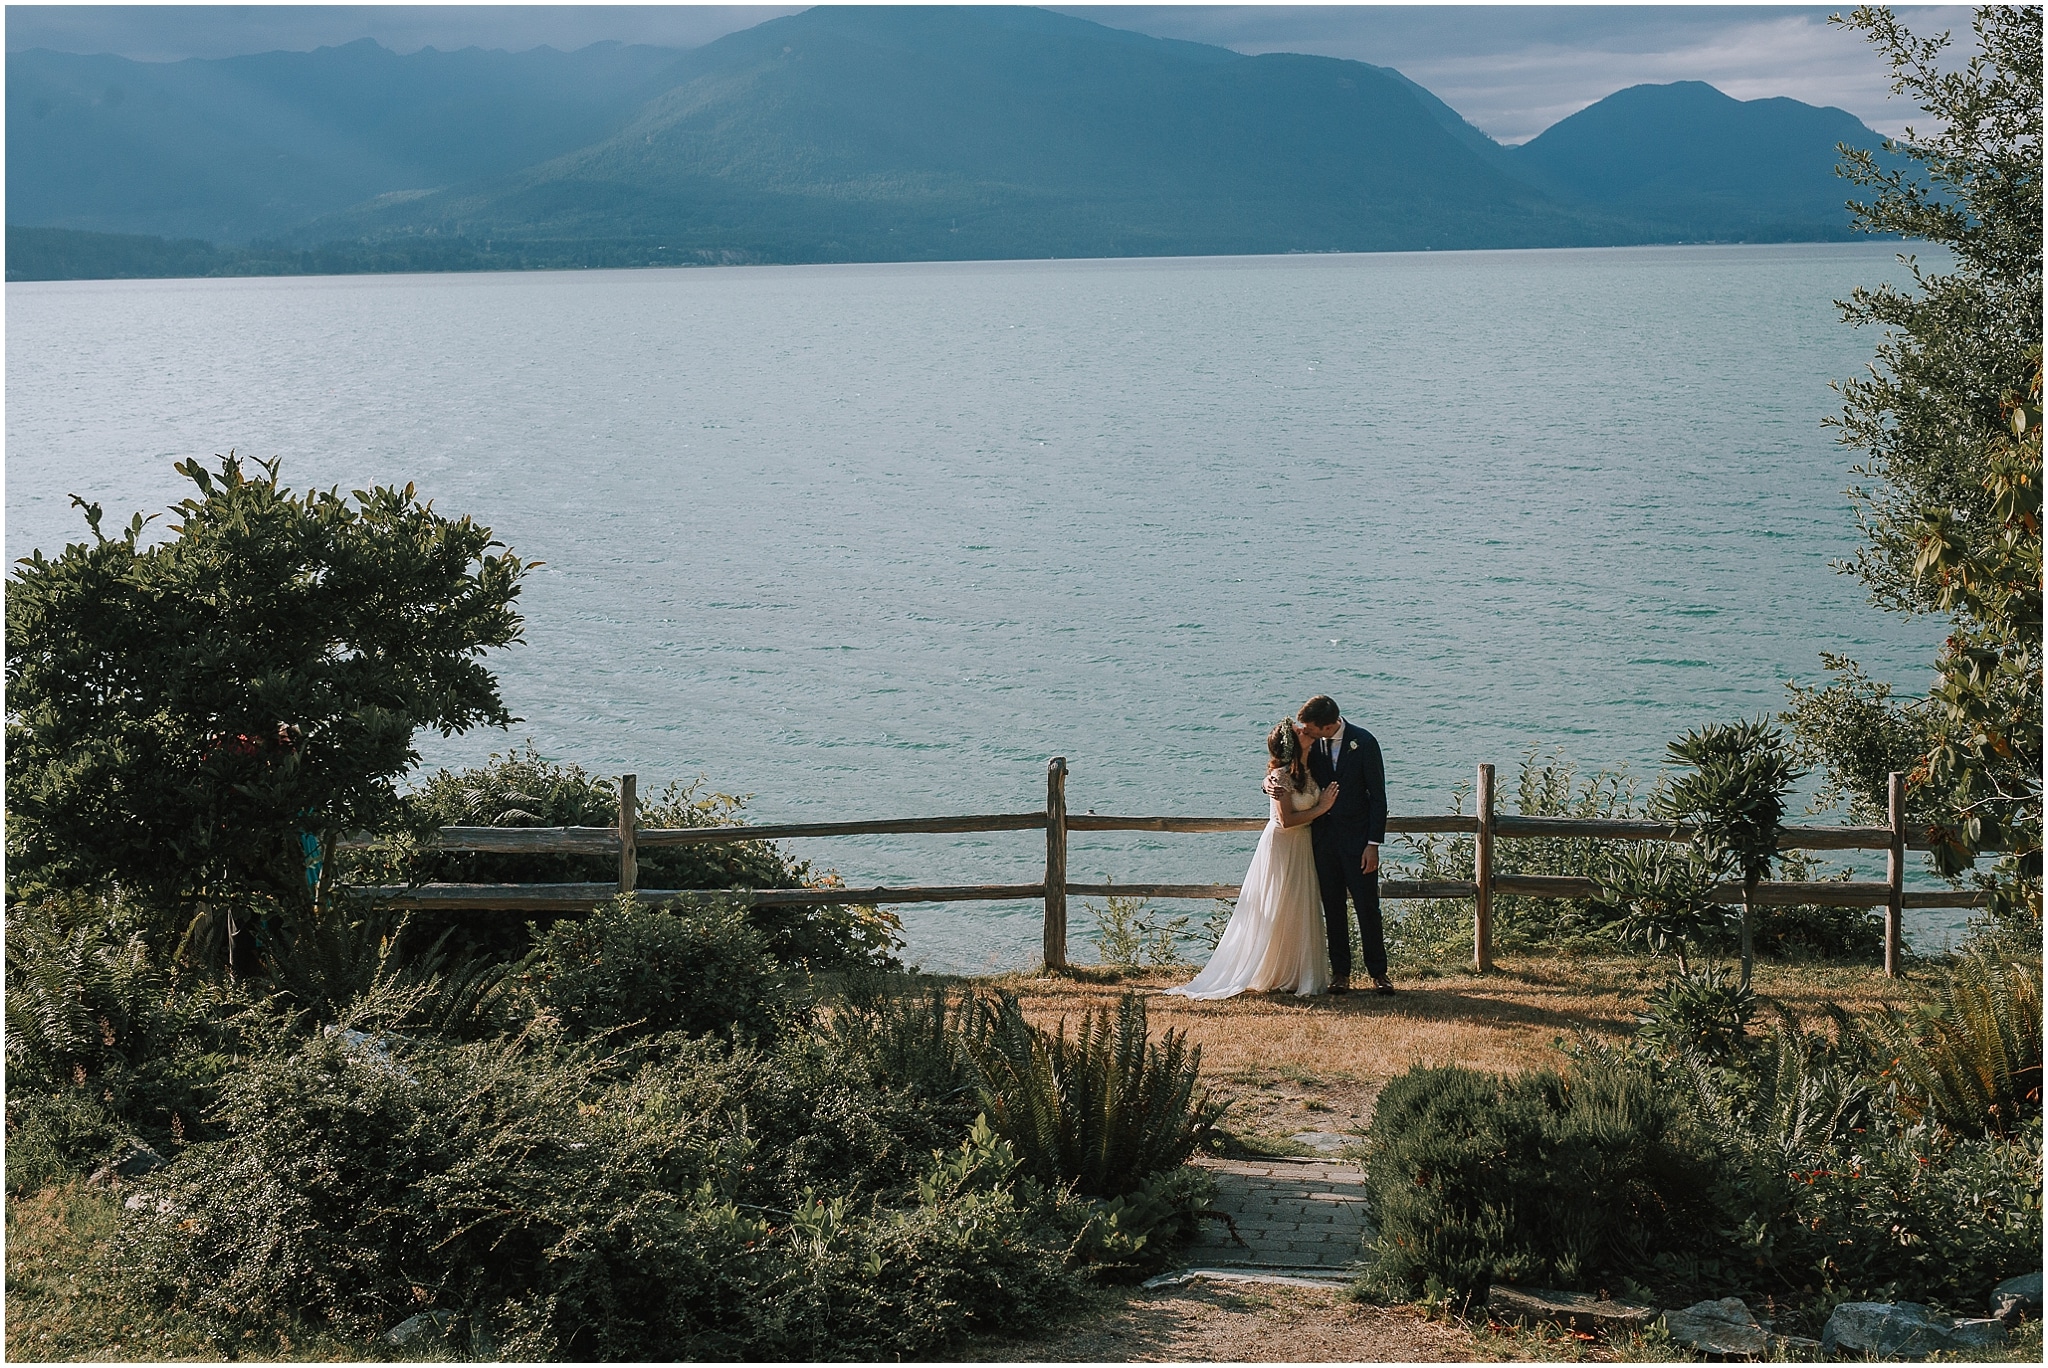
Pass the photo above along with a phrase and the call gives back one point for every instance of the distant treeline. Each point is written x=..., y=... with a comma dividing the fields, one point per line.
x=65, y=254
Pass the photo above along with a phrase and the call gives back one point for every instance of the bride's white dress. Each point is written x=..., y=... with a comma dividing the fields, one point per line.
x=1275, y=942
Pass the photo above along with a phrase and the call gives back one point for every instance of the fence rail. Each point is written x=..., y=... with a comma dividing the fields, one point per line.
x=1484, y=825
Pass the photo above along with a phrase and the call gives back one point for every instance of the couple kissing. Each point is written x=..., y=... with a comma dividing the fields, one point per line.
x=1327, y=791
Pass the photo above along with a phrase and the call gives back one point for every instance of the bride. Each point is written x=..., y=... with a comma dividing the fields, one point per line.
x=1275, y=941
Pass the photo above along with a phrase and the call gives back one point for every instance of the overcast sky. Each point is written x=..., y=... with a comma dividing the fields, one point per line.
x=1513, y=70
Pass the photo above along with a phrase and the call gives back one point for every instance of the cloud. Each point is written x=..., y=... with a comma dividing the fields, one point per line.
x=162, y=33
x=1512, y=71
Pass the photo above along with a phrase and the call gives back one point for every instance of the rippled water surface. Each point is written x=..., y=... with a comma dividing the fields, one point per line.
x=877, y=540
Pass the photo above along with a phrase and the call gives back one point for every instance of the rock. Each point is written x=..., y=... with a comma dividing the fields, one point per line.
x=2015, y=1299
x=1977, y=1334
x=1719, y=1327
x=137, y=1159
x=372, y=1049
x=1578, y=1310
x=1328, y=1142
x=1901, y=1330
x=131, y=1159
x=412, y=1327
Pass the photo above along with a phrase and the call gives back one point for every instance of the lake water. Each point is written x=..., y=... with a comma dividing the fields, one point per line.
x=877, y=540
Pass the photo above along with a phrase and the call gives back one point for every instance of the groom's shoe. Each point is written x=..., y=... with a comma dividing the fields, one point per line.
x=1339, y=987
x=1384, y=987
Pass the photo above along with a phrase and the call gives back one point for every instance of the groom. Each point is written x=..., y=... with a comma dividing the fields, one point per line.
x=1347, y=838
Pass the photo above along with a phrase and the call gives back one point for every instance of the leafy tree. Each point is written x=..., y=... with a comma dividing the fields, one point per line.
x=1987, y=753
x=1949, y=420
x=1957, y=345
x=186, y=717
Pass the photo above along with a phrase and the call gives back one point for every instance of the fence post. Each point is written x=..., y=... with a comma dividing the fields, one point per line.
x=1482, y=873
x=1056, y=863
x=629, y=821
x=1895, y=874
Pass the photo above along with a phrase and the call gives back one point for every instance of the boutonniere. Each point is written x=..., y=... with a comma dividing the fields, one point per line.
x=1354, y=745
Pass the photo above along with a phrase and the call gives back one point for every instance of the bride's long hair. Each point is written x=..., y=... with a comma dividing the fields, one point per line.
x=1285, y=751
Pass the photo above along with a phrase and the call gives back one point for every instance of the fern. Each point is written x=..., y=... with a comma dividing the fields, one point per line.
x=341, y=958
x=80, y=985
x=1972, y=1062
x=1102, y=1112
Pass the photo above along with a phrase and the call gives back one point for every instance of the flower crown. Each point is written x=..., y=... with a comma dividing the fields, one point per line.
x=1290, y=742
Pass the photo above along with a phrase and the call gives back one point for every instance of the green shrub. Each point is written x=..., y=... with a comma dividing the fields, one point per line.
x=1130, y=934
x=1794, y=1099
x=973, y=1250
x=360, y=1180
x=1807, y=932
x=1661, y=897
x=562, y=1204
x=83, y=989
x=52, y=1136
x=1904, y=1215
x=1704, y=1012
x=1103, y=1112
x=1546, y=786
x=1533, y=1179
x=695, y=966
x=909, y=1037
x=1823, y=1190
x=522, y=789
x=184, y=709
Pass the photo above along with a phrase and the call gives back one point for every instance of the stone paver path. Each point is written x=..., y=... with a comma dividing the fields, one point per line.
x=1293, y=1214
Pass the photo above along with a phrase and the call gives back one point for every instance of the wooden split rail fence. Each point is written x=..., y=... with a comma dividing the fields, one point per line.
x=1486, y=826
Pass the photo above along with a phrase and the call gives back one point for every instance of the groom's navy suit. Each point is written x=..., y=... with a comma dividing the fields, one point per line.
x=1356, y=820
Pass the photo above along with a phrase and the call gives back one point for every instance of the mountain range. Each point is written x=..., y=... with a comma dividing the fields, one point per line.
x=854, y=134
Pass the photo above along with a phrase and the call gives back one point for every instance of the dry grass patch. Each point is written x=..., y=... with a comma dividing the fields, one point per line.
x=1238, y=1323
x=1317, y=1064
x=67, y=1302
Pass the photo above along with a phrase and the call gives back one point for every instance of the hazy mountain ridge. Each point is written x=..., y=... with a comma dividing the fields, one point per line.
x=1687, y=154
x=238, y=148
x=877, y=134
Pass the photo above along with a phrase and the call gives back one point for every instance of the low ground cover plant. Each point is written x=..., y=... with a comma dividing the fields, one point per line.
x=1895, y=1159
x=649, y=1138
x=1542, y=1178
x=695, y=965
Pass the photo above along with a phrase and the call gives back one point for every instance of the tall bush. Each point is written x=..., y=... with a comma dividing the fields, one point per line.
x=183, y=715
